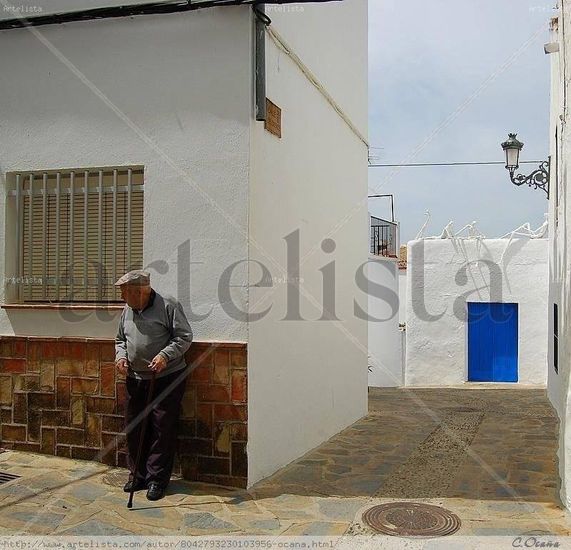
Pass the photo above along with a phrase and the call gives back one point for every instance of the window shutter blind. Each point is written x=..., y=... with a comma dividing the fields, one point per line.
x=84, y=262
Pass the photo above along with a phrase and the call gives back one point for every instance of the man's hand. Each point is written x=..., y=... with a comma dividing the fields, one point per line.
x=158, y=363
x=122, y=366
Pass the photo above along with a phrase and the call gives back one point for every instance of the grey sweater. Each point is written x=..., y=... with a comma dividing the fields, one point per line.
x=162, y=327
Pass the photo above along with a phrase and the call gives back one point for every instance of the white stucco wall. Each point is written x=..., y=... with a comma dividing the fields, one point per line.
x=385, y=361
x=558, y=384
x=443, y=275
x=557, y=219
x=308, y=379
x=178, y=92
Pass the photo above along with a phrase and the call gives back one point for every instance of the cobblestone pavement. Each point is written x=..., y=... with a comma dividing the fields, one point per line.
x=489, y=455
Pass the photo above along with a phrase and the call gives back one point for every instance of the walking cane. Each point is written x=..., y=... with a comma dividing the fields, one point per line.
x=141, y=438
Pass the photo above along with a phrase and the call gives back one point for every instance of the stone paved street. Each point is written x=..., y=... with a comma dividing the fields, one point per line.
x=489, y=455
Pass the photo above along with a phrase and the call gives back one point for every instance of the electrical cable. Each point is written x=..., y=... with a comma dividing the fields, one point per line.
x=281, y=44
x=129, y=10
x=261, y=16
x=417, y=164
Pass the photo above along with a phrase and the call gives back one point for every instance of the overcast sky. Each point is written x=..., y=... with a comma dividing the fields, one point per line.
x=447, y=80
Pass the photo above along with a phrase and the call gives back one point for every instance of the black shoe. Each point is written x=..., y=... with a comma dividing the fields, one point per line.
x=138, y=486
x=155, y=491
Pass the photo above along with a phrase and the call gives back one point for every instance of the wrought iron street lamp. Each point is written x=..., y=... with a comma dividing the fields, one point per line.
x=538, y=179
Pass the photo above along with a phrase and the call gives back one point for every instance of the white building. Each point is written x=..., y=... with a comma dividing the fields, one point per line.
x=559, y=316
x=150, y=121
x=472, y=311
x=385, y=352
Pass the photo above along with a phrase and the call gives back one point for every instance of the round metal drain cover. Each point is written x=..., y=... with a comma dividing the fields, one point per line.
x=116, y=479
x=411, y=519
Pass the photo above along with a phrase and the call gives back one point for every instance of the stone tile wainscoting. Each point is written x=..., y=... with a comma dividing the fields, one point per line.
x=63, y=396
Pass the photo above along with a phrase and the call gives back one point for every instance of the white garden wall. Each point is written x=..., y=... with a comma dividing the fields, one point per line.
x=444, y=274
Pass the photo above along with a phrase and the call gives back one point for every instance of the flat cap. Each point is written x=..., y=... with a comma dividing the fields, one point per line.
x=135, y=277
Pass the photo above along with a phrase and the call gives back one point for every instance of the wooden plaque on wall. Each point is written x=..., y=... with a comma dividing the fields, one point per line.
x=273, y=122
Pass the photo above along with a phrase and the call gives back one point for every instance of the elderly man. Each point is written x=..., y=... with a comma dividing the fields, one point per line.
x=153, y=336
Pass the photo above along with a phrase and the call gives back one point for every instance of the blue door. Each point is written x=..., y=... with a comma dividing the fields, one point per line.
x=492, y=342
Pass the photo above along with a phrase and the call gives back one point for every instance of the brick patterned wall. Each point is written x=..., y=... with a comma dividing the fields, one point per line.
x=63, y=396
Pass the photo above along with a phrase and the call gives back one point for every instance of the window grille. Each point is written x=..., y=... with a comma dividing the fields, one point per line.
x=383, y=237
x=77, y=232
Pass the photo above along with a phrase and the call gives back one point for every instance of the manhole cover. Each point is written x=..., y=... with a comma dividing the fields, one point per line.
x=116, y=479
x=411, y=519
x=5, y=477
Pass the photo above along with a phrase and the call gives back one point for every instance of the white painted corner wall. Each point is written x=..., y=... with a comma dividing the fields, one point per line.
x=174, y=93
x=307, y=380
x=443, y=274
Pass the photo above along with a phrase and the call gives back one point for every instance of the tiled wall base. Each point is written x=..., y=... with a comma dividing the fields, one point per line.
x=63, y=396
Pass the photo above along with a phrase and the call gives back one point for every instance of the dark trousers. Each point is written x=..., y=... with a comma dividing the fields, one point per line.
x=159, y=445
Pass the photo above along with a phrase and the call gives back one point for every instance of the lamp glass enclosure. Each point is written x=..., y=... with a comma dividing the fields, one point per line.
x=512, y=146
x=512, y=158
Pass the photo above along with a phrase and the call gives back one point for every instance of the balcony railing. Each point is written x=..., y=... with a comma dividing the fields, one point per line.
x=383, y=237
